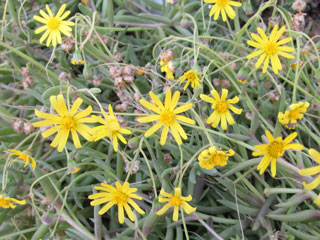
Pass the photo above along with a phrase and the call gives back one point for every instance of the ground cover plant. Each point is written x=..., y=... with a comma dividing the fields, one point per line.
x=170, y=119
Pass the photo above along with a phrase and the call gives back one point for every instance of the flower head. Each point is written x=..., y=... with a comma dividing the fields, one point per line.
x=221, y=108
x=7, y=202
x=168, y=68
x=273, y=150
x=289, y=117
x=176, y=201
x=54, y=25
x=212, y=157
x=223, y=6
x=110, y=128
x=166, y=115
x=25, y=157
x=270, y=49
x=65, y=122
x=121, y=195
x=192, y=77
x=312, y=171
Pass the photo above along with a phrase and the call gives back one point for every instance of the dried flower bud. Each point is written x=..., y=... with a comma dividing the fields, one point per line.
x=118, y=57
x=253, y=83
x=96, y=82
x=298, y=22
x=115, y=71
x=249, y=115
x=247, y=7
x=166, y=56
x=48, y=219
x=128, y=79
x=24, y=71
x=68, y=44
x=216, y=82
x=273, y=96
x=64, y=76
x=25, y=84
x=298, y=5
x=128, y=70
x=234, y=66
x=118, y=81
x=172, y=2
x=225, y=84
x=28, y=128
x=135, y=166
x=18, y=126
x=167, y=158
x=29, y=80
x=136, y=97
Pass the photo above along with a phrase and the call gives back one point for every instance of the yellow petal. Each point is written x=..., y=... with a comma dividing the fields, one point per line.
x=314, y=154
x=105, y=208
x=153, y=129
x=309, y=171
x=312, y=185
x=164, y=135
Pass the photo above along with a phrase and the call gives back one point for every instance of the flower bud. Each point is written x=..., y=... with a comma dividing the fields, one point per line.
x=77, y=58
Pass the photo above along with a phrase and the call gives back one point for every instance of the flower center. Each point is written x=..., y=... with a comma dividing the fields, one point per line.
x=222, y=3
x=53, y=24
x=68, y=123
x=275, y=149
x=222, y=106
x=192, y=77
x=294, y=114
x=113, y=124
x=217, y=159
x=271, y=48
x=175, y=201
x=120, y=197
x=4, y=202
x=167, y=117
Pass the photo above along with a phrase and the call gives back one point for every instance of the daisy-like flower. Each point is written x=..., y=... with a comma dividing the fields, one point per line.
x=23, y=156
x=7, y=202
x=168, y=68
x=270, y=49
x=274, y=150
x=312, y=171
x=176, y=201
x=192, y=77
x=212, y=157
x=65, y=122
x=110, y=128
x=223, y=6
x=54, y=25
x=166, y=115
x=289, y=118
x=221, y=108
x=121, y=196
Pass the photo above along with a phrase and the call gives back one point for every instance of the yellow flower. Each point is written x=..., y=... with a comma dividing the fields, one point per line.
x=312, y=171
x=223, y=6
x=110, y=128
x=175, y=201
x=65, y=122
x=166, y=115
x=212, y=157
x=273, y=150
x=121, y=195
x=7, y=202
x=191, y=77
x=270, y=48
x=54, y=25
x=289, y=117
x=168, y=68
x=221, y=108
x=25, y=157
